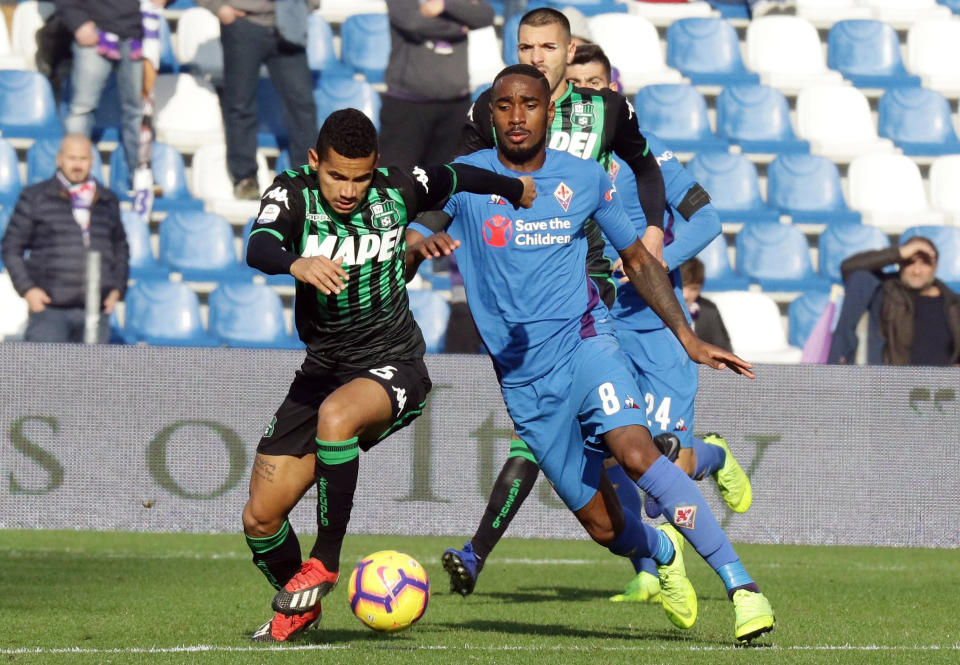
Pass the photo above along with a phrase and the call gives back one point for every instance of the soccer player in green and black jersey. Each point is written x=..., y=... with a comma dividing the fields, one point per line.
x=337, y=225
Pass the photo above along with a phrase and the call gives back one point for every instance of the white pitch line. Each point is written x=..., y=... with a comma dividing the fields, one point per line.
x=442, y=647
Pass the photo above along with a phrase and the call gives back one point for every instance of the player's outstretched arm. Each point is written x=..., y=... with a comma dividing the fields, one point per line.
x=421, y=248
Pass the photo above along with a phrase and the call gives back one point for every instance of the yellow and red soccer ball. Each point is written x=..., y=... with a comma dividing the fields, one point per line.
x=388, y=591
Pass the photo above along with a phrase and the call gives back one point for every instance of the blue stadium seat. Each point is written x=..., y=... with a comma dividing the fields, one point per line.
x=280, y=280
x=164, y=313
x=168, y=61
x=365, y=45
x=27, y=107
x=716, y=263
x=757, y=117
x=947, y=240
x=734, y=188
x=169, y=174
x=181, y=4
x=249, y=315
x=808, y=188
x=200, y=246
x=777, y=257
x=841, y=241
x=677, y=113
x=954, y=5
x=42, y=161
x=143, y=264
x=707, y=51
x=320, y=52
x=432, y=313
x=868, y=54
x=334, y=93
x=9, y=174
x=510, y=29
x=5, y=211
x=804, y=313
x=918, y=120
x=586, y=7
x=731, y=8
x=283, y=162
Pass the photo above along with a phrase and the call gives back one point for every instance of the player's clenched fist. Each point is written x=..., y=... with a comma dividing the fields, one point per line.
x=529, y=191
x=321, y=273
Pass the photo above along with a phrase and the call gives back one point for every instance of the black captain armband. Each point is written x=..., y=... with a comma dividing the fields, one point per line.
x=695, y=199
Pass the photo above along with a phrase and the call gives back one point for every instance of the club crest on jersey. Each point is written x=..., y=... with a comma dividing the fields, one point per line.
x=582, y=114
x=563, y=195
x=498, y=231
x=384, y=215
x=278, y=194
x=614, y=170
x=684, y=516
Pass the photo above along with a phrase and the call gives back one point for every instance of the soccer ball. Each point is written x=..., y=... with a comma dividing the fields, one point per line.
x=388, y=591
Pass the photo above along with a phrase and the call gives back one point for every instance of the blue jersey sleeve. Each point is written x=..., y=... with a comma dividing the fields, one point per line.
x=610, y=215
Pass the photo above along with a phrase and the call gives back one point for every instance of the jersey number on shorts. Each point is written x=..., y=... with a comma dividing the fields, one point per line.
x=608, y=398
x=662, y=416
x=385, y=373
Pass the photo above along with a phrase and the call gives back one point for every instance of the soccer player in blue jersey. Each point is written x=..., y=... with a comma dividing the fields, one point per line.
x=561, y=372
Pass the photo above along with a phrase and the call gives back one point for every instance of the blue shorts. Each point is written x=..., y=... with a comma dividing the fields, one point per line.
x=585, y=395
x=667, y=379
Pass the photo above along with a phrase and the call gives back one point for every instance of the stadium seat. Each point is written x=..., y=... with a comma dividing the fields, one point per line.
x=321, y=55
x=906, y=12
x=677, y=113
x=633, y=46
x=841, y=241
x=277, y=280
x=365, y=45
x=510, y=29
x=210, y=180
x=187, y=112
x=919, y=121
x=804, y=313
x=28, y=17
x=888, y=191
x=169, y=174
x=719, y=276
x=432, y=313
x=335, y=93
x=143, y=264
x=6, y=209
x=27, y=108
x=755, y=327
x=13, y=309
x=666, y=13
x=164, y=313
x=757, y=118
x=707, y=51
x=483, y=56
x=947, y=240
x=786, y=52
x=586, y=7
x=8, y=59
x=777, y=257
x=42, y=161
x=249, y=315
x=808, y=188
x=836, y=120
x=824, y=13
x=731, y=9
x=168, y=61
x=933, y=51
x=867, y=53
x=200, y=246
x=953, y=5
x=944, y=192
x=180, y=5
x=733, y=186
x=9, y=174
x=198, y=46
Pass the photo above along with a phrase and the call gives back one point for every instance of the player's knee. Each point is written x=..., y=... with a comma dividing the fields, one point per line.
x=335, y=424
x=638, y=455
x=259, y=523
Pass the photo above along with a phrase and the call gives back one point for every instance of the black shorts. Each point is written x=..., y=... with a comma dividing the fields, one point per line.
x=293, y=429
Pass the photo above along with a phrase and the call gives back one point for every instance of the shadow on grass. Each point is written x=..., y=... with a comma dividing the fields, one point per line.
x=559, y=630
x=545, y=594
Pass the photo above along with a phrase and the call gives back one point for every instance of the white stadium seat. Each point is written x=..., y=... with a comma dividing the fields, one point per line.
x=786, y=52
x=945, y=186
x=198, y=43
x=28, y=17
x=187, y=112
x=13, y=310
x=210, y=181
x=633, y=46
x=755, y=326
x=933, y=52
x=903, y=13
x=824, y=13
x=836, y=120
x=483, y=56
x=888, y=191
x=8, y=59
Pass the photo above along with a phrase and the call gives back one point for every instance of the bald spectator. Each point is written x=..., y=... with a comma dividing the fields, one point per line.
x=53, y=226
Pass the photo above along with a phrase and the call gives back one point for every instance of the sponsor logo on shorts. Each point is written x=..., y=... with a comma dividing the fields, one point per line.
x=401, y=397
x=268, y=430
x=269, y=214
x=631, y=403
x=684, y=516
x=681, y=426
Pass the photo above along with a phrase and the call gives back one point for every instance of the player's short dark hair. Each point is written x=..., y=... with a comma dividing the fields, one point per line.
x=936, y=253
x=692, y=272
x=524, y=70
x=350, y=133
x=537, y=18
x=587, y=53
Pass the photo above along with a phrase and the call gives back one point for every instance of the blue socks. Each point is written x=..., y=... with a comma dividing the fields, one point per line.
x=639, y=540
x=710, y=458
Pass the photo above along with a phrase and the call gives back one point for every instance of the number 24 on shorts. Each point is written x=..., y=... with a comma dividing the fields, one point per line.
x=611, y=404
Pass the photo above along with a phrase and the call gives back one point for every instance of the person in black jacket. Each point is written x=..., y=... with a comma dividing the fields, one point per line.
x=57, y=221
x=707, y=322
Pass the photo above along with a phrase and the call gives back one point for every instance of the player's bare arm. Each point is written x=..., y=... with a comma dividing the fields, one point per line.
x=321, y=273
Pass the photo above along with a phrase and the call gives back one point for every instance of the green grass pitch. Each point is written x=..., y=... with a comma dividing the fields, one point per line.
x=92, y=598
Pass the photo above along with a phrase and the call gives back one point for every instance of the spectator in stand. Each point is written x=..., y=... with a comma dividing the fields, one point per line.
x=914, y=317
x=253, y=33
x=107, y=39
x=707, y=322
x=53, y=225
x=428, y=84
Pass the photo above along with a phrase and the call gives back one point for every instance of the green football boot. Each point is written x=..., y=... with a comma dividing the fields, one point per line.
x=644, y=588
x=677, y=596
x=754, y=615
x=734, y=483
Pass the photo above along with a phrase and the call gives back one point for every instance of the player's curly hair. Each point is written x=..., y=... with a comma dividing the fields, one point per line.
x=350, y=133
